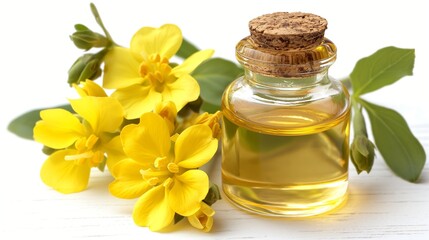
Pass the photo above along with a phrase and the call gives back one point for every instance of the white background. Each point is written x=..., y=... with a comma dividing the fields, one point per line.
x=35, y=54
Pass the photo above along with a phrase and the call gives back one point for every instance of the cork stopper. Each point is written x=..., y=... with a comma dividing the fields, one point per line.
x=284, y=30
x=286, y=44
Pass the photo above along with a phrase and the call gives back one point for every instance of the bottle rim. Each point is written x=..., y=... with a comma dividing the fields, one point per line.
x=286, y=62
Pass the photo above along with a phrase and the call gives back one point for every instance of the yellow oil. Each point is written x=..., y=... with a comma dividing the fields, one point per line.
x=285, y=161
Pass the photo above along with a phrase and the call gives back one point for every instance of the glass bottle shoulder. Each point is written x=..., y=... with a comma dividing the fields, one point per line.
x=286, y=109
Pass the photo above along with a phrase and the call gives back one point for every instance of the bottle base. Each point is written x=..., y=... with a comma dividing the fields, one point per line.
x=295, y=201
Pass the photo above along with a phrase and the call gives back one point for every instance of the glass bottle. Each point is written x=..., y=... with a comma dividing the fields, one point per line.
x=285, y=144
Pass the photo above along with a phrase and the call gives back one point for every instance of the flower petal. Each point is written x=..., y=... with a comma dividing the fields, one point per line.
x=195, y=147
x=89, y=88
x=137, y=99
x=188, y=191
x=58, y=128
x=148, y=140
x=128, y=181
x=152, y=210
x=168, y=111
x=115, y=152
x=164, y=41
x=210, y=120
x=181, y=91
x=65, y=176
x=121, y=69
x=104, y=114
x=195, y=221
x=192, y=62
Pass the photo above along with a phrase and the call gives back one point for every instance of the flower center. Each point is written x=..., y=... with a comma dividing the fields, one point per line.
x=154, y=177
x=156, y=70
x=162, y=170
x=160, y=162
x=203, y=219
x=86, y=153
x=173, y=168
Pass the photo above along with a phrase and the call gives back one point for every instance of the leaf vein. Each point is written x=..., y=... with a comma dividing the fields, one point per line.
x=358, y=92
x=395, y=137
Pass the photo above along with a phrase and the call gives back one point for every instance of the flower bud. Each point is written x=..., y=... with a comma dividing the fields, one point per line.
x=211, y=120
x=362, y=153
x=89, y=88
x=213, y=195
x=362, y=149
x=87, y=39
x=203, y=218
x=85, y=67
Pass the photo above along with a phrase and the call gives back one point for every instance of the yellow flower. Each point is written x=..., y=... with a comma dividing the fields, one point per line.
x=208, y=119
x=82, y=144
x=142, y=75
x=203, y=218
x=89, y=88
x=168, y=111
x=114, y=147
x=211, y=120
x=163, y=174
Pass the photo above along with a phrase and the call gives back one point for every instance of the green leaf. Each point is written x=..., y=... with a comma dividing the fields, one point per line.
x=402, y=151
x=208, y=107
x=190, y=107
x=382, y=68
x=23, y=125
x=214, y=75
x=186, y=49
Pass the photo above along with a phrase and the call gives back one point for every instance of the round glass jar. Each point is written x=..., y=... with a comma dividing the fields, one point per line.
x=285, y=144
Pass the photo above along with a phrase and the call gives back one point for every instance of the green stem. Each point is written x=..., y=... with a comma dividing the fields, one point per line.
x=347, y=83
x=100, y=22
x=358, y=119
x=100, y=55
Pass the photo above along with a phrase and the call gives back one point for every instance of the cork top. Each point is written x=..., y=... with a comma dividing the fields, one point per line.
x=288, y=30
x=286, y=44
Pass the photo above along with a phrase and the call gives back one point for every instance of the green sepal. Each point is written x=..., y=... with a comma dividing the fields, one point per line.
x=213, y=194
x=80, y=27
x=178, y=218
x=48, y=151
x=88, y=39
x=102, y=165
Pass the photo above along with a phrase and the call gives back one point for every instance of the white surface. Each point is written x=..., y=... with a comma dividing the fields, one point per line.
x=36, y=54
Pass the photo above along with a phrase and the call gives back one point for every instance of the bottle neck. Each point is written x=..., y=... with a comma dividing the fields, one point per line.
x=260, y=81
x=286, y=73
